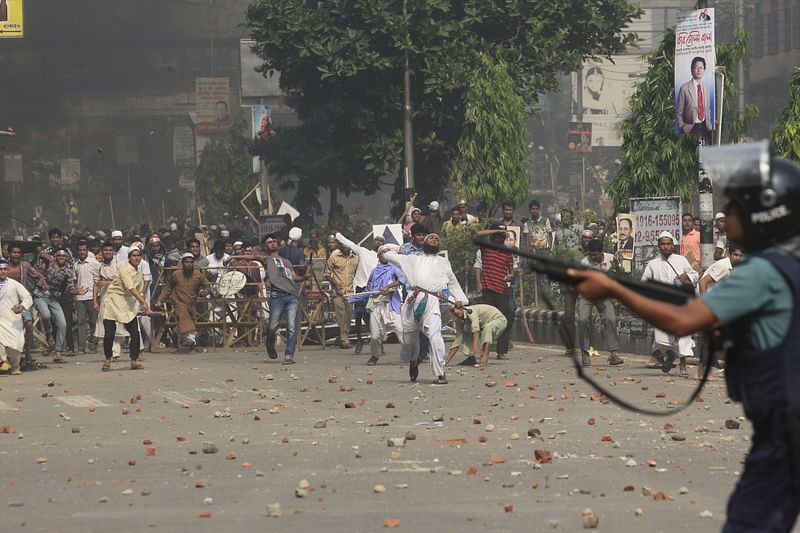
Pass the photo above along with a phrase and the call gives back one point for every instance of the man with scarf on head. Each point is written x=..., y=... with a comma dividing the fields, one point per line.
x=421, y=311
x=183, y=288
x=384, y=317
x=121, y=304
x=14, y=299
x=367, y=261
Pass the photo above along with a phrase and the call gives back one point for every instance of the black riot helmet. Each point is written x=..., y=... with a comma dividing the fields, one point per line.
x=765, y=190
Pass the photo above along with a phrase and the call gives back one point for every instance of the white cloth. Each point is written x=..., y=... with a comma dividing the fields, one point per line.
x=108, y=271
x=719, y=269
x=12, y=332
x=382, y=321
x=608, y=262
x=216, y=266
x=432, y=273
x=367, y=260
x=667, y=271
x=122, y=256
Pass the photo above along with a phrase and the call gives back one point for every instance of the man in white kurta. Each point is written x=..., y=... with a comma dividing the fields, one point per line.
x=14, y=299
x=669, y=267
x=421, y=311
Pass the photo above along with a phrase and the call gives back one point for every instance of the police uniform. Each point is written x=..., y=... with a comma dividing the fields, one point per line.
x=756, y=304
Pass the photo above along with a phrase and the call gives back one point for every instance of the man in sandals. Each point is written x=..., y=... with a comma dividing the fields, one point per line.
x=478, y=326
x=121, y=304
x=14, y=299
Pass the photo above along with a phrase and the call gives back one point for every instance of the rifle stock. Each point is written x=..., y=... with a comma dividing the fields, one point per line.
x=556, y=268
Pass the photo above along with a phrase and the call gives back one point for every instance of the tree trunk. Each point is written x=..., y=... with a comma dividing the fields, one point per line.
x=332, y=209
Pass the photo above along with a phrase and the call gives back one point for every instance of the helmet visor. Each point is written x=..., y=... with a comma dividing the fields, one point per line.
x=737, y=165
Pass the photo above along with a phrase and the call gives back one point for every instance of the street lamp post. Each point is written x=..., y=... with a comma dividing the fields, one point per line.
x=408, y=128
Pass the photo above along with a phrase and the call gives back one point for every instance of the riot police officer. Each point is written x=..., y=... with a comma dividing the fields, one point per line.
x=756, y=308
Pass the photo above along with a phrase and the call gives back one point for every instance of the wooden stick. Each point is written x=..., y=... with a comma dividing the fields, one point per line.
x=523, y=318
x=111, y=207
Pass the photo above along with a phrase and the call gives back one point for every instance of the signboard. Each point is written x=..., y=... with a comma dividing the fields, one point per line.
x=272, y=224
x=651, y=217
x=212, y=105
x=13, y=168
x=186, y=179
x=11, y=19
x=695, y=60
x=605, y=94
x=70, y=172
x=255, y=84
x=231, y=282
x=579, y=137
x=127, y=150
x=183, y=147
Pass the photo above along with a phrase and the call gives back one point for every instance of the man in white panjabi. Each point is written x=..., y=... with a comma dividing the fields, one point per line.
x=14, y=299
x=668, y=267
x=421, y=311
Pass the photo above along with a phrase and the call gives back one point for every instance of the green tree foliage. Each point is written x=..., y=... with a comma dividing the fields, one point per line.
x=786, y=135
x=655, y=161
x=341, y=63
x=492, y=155
x=225, y=173
x=461, y=252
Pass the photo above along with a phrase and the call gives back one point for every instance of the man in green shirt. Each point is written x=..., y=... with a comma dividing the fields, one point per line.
x=479, y=326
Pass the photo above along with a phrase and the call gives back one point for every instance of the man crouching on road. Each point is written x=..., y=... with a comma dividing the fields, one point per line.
x=479, y=325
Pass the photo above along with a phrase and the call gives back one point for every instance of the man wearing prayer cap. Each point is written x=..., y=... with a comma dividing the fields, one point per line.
x=183, y=288
x=668, y=267
x=14, y=299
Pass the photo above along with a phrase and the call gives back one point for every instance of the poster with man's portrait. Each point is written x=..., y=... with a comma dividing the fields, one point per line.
x=626, y=232
x=695, y=61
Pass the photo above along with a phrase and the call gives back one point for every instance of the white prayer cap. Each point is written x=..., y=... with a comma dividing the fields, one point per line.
x=388, y=248
x=116, y=233
x=187, y=255
x=587, y=233
x=138, y=245
x=433, y=206
x=666, y=235
x=415, y=210
x=224, y=233
x=237, y=243
x=295, y=234
x=719, y=215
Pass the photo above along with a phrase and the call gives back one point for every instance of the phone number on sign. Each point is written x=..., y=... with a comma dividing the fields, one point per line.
x=665, y=221
x=649, y=236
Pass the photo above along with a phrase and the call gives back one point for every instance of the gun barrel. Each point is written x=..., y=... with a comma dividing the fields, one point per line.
x=556, y=269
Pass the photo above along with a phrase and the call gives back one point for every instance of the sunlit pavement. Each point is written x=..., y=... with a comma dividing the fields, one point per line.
x=82, y=450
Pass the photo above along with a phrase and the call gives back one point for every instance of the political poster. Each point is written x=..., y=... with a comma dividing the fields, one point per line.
x=12, y=164
x=262, y=122
x=626, y=235
x=70, y=172
x=183, y=147
x=695, y=61
x=212, y=105
x=11, y=19
x=605, y=93
x=651, y=217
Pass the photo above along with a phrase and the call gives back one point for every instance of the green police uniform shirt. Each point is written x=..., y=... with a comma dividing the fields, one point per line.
x=757, y=290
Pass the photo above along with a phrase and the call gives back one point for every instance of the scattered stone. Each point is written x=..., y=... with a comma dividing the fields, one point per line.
x=391, y=522
x=543, y=456
x=552, y=524
x=396, y=442
x=683, y=490
x=678, y=437
x=514, y=436
x=349, y=405
x=104, y=499
x=491, y=384
x=41, y=460
x=76, y=429
x=127, y=492
x=509, y=508
x=590, y=421
x=732, y=424
x=208, y=501
x=489, y=428
x=410, y=435
x=16, y=504
x=274, y=510
x=303, y=484
x=209, y=447
x=706, y=514
x=390, y=405
x=378, y=489
x=300, y=493
x=590, y=520
x=533, y=433
x=320, y=424
x=631, y=463
x=638, y=511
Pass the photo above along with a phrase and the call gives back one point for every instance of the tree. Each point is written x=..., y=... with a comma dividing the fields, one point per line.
x=225, y=173
x=341, y=63
x=655, y=161
x=492, y=152
x=786, y=135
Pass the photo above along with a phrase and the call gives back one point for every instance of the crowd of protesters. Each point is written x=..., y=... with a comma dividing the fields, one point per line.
x=99, y=289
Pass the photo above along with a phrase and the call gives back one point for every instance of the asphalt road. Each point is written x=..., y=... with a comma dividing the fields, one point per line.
x=82, y=450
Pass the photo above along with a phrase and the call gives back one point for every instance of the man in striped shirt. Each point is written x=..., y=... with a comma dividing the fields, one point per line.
x=496, y=270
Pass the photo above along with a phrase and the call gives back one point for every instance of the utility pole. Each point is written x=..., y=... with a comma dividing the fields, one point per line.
x=408, y=127
x=705, y=188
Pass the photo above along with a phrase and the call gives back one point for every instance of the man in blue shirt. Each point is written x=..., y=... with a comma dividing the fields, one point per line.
x=756, y=306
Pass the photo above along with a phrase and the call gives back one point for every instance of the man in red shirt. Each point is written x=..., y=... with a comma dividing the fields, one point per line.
x=496, y=271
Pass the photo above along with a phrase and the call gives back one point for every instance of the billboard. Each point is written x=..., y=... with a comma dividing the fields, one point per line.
x=695, y=60
x=651, y=217
x=13, y=167
x=262, y=122
x=11, y=19
x=212, y=105
x=579, y=137
x=183, y=147
x=70, y=172
x=254, y=84
x=606, y=89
